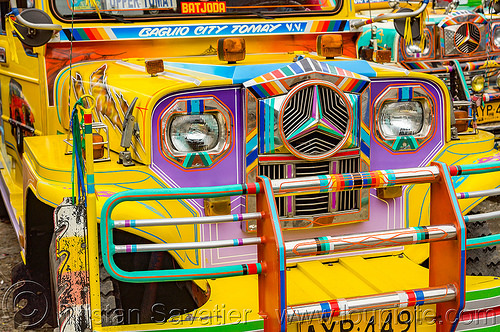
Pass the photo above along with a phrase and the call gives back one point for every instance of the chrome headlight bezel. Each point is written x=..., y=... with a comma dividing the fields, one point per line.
x=411, y=110
x=200, y=118
x=495, y=36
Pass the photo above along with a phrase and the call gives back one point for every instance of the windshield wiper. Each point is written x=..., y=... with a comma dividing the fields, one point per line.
x=117, y=17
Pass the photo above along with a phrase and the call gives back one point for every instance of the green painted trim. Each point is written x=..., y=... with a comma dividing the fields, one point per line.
x=241, y=327
x=483, y=241
x=482, y=294
x=493, y=328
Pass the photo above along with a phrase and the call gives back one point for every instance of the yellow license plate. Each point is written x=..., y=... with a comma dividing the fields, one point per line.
x=401, y=320
x=490, y=112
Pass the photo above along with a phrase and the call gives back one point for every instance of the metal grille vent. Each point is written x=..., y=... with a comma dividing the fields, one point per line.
x=467, y=38
x=306, y=205
x=315, y=120
x=314, y=204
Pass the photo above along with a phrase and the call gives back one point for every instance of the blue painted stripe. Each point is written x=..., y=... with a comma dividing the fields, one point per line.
x=252, y=156
x=325, y=68
x=76, y=34
x=296, y=68
x=365, y=148
x=420, y=299
x=325, y=309
x=262, y=126
x=252, y=144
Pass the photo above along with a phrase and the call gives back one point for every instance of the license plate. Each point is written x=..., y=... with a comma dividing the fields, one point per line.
x=380, y=321
x=490, y=112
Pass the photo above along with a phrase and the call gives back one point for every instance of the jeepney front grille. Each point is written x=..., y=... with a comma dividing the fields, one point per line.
x=314, y=204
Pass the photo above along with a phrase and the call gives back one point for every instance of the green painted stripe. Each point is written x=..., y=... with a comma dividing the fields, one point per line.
x=420, y=234
x=482, y=294
x=241, y=327
x=287, y=71
x=473, y=327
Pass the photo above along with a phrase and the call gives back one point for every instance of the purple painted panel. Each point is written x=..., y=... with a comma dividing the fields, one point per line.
x=382, y=157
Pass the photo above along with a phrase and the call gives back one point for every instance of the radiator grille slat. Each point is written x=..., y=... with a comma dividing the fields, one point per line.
x=314, y=204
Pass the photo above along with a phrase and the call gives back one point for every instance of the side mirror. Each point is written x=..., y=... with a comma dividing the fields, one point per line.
x=32, y=36
x=400, y=23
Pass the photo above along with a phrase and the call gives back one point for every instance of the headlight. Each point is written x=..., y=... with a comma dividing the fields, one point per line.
x=404, y=118
x=196, y=132
x=193, y=133
x=496, y=38
x=401, y=119
x=477, y=83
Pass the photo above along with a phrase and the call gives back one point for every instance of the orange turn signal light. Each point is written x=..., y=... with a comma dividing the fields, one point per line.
x=153, y=67
x=329, y=46
x=231, y=49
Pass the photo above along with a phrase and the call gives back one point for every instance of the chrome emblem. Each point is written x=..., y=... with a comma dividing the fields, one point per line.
x=467, y=38
x=315, y=120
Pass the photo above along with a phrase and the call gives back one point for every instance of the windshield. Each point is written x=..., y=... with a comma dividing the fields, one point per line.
x=119, y=9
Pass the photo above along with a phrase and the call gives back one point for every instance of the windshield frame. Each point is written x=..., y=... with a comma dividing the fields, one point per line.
x=111, y=16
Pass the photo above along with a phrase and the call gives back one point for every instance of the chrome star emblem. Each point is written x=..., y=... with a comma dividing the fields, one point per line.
x=467, y=38
x=315, y=120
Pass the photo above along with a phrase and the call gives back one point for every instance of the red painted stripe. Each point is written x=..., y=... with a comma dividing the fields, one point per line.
x=252, y=268
x=480, y=314
x=412, y=299
x=323, y=26
x=268, y=88
x=252, y=188
x=277, y=73
x=334, y=306
x=90, y=33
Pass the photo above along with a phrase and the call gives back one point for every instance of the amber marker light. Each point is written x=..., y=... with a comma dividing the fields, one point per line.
x=153, y=67
x=329, y=46
x=231, y=49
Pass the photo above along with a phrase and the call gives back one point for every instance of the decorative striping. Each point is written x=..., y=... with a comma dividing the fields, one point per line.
x=273, y=83
x=343, y=307
x=460, y=16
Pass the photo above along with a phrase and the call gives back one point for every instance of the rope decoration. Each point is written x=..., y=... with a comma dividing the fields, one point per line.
x=77, y=126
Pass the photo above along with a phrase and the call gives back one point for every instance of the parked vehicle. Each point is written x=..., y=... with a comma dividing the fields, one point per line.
x=231, y=166
x=460, y=46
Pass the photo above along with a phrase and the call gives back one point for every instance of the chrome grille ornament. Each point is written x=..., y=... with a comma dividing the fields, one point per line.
x=315, y=120
x=463, y=33
x=467, y=38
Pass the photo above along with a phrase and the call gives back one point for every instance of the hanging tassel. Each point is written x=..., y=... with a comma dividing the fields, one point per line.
x=10, y=39
x=408, y=36
x=423, y=18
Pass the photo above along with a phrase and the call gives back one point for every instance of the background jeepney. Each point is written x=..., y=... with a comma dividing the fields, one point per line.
x=216, y=95
x=460, y=47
